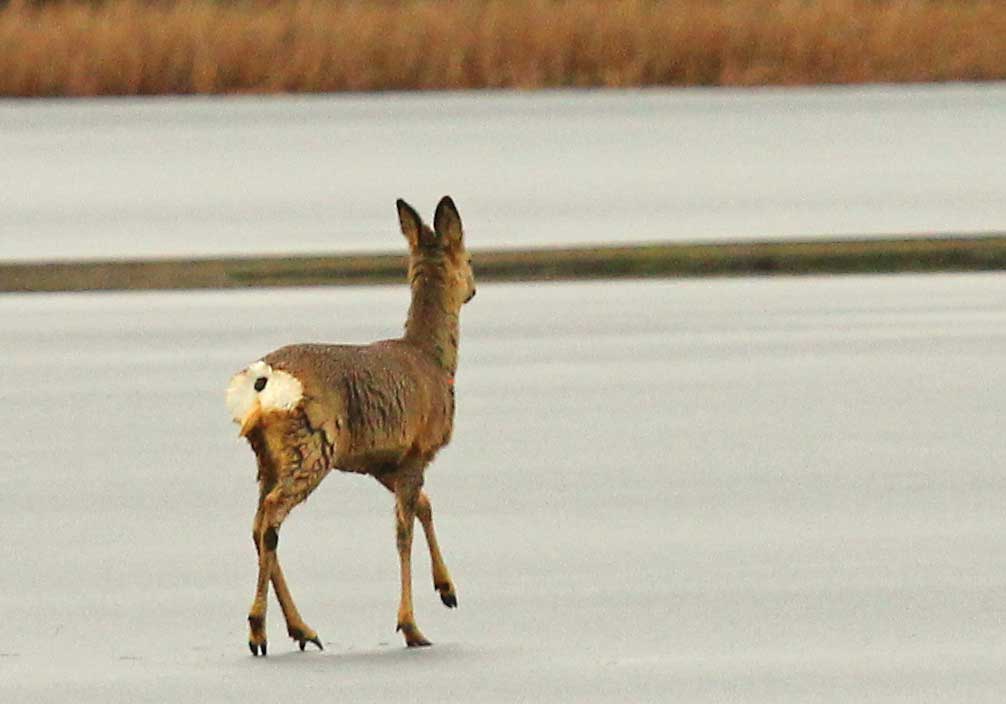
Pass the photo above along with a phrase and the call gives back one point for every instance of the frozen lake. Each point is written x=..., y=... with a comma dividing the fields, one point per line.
x=204, y=176
x=704, y=491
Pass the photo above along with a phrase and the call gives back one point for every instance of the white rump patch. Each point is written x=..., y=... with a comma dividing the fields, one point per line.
x=281, y=391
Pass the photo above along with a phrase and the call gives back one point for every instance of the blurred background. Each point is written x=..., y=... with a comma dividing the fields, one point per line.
x=132, y=47
x=554, y=122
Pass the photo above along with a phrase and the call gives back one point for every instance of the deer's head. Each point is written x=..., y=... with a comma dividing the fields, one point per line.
x=439, y=253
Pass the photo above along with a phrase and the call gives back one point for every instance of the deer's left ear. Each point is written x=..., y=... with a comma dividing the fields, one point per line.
x=447, y=222
x=412, y=225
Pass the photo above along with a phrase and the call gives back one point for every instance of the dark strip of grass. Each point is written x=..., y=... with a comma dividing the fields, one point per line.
x=984, y=253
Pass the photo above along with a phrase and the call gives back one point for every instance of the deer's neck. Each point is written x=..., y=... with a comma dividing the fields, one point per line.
x=432, y=325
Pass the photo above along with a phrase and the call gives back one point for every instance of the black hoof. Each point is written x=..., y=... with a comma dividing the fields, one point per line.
x=255, y=648
x=304, y=641
x=447, y=595
x=413, y=638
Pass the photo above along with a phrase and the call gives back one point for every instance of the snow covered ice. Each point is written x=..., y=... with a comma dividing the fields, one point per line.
x=722, y=490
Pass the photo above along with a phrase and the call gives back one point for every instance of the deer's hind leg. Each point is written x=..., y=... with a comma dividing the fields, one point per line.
x=296, y=628
x=266, y=557
x=274, y=505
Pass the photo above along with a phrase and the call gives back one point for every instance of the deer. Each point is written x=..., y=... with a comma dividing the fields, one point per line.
x=384, y=409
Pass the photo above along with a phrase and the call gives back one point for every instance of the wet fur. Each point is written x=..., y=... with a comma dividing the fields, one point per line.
x=383, y=409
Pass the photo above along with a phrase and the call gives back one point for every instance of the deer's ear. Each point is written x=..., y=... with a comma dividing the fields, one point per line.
x=447, y=222
x=412, y=225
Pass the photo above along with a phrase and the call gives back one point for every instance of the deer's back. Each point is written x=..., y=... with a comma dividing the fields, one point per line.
x=378, y=403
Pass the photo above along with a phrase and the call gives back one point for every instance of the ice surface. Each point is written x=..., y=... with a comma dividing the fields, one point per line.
x=199, y=176
x=721, y=490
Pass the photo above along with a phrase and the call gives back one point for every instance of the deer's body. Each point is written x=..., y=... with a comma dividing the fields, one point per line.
x=383, y=409
x=382, y=403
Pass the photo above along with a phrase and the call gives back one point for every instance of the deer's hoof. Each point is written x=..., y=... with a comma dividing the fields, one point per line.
x=304, y=641
x=413, y=636
x=447, y=594
x=303, y=636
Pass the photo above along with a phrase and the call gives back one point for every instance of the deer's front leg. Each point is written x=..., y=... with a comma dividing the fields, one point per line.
x=441, y=576
x=406, y=496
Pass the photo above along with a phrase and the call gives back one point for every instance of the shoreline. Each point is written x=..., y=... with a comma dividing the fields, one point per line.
x=658, y=260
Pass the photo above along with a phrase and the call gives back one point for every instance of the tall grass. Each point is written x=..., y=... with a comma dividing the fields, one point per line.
x=124, y=47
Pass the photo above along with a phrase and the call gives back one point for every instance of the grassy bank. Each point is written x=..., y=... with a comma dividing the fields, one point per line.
x=644, y=261
x=132, y=47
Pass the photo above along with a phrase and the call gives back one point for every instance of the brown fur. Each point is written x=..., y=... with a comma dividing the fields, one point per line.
x=383, y=409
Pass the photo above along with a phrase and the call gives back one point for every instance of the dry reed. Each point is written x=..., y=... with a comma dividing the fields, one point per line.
x=130, y=47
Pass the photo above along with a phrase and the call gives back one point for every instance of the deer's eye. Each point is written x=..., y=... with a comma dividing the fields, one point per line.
x=260, y=383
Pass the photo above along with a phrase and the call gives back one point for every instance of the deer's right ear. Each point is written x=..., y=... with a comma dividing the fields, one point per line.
x=411, y=224
x=447, y=222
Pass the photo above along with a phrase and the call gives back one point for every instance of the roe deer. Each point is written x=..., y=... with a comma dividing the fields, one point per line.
x=382, y=409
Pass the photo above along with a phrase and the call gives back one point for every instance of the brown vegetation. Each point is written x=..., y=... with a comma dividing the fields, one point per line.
x=127, y=47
